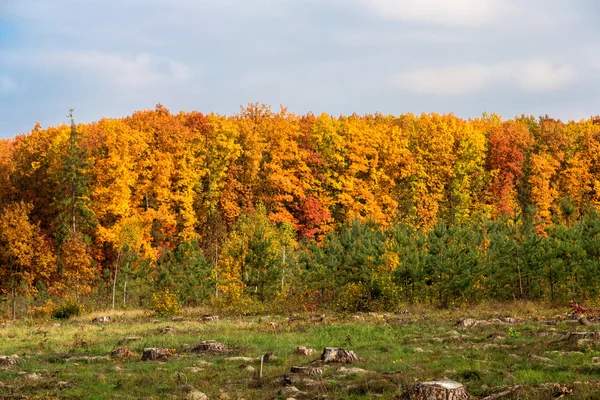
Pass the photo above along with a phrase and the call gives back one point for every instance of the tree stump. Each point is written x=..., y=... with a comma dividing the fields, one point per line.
x=157, y=353
x=576, y=336
x=102, y=320
x=311, y=371
x=304, y=351
x=584, y=321
x=121, y=352
x=9, y=360
x=440, y=390
x=339, y=355
x=466, y=323
x=209, y=346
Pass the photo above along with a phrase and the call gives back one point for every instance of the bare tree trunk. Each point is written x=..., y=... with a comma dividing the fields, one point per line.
x=115, y=280
x=125, y=293
x=519, y=271
x=14, y=302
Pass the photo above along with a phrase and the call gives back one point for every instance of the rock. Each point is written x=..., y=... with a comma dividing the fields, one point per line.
x=121, y=352
x=210, y=318
x=336, y=354
x=157, y=353
x=304, y=351
x=177, y=318
x=596, y=360
x=130, y=339
x=508, y=320
x=358, y=318
x=466, y=323
x=442, y=390
x=248, y=368
x=311, y=371
x=102, y=320
x=9, y=360
x=204, y=363
x=194, y=370
x=418, y=350
x=195, y=394
x=453, y=333
x=34, y=376
x=224, y=396
x=209, y=346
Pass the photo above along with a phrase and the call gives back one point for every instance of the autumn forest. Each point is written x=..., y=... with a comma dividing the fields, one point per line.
x=268, y=210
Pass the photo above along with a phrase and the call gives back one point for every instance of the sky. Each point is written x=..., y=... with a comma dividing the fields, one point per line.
x=109, y=58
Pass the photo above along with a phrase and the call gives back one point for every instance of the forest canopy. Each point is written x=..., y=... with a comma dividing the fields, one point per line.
x=271, y=208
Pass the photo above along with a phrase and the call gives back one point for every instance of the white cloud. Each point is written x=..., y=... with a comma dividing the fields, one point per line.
x=7, y=85
x=530, y=76
x=111, y=68
x=472, y=13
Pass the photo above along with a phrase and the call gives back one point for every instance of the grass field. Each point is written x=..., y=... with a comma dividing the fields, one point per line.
x=72, y=359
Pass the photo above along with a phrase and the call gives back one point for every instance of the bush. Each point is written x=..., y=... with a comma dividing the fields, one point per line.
x=356, y=297
x=42, y=311
x=165, y=303
x=68, y=309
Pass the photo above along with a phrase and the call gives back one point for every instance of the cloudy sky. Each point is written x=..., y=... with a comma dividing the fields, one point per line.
x=112, y=57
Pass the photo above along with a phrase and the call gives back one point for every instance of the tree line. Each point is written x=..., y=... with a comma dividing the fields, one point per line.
x=267, y=208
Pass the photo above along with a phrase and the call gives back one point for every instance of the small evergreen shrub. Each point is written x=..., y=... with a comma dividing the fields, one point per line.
x=68, y=309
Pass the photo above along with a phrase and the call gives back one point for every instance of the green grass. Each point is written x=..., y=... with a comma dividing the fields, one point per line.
x=424, y=346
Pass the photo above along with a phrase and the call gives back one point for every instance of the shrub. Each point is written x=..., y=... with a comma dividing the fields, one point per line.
x=513, y=333
x=42, y=311
x=68, y=309
x=356, y=297
x=165, y=303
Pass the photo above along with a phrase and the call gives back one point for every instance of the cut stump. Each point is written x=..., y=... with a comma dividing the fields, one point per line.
x=339, y=355
x=304, y=351
x=440, y=390
x=9, y=360
x=157, y=354
x=102, y=320
x=311, y=371
x=209, y=346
